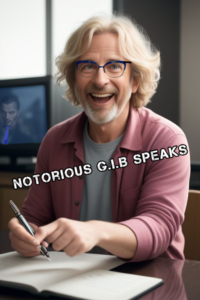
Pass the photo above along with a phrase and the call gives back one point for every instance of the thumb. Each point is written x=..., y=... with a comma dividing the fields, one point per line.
x=44, y=232
x=35, y=227
x=37, y=234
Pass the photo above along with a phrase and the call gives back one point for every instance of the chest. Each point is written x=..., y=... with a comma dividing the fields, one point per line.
x=71, y=171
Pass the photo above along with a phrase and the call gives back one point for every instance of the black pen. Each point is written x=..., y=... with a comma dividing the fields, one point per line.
x=28, y=227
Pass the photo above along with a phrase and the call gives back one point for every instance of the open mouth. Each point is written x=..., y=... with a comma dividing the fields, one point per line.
x=101, y=99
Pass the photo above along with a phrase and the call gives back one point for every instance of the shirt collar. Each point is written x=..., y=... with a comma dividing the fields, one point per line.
x=74, y=130
x=132, y=139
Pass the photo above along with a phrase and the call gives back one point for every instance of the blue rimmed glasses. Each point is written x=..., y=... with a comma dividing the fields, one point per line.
x=113, y=69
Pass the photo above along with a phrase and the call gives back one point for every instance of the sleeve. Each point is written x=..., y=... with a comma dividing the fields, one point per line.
x=161, y=207
x=37, y=207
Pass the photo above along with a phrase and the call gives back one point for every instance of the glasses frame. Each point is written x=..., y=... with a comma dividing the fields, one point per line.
x=110, y=62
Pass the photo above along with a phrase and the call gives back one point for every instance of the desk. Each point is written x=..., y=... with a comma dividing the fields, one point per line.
x=182, y=278
x=7, y=193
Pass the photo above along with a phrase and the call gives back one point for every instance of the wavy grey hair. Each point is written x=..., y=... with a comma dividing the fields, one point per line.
x=134, y=45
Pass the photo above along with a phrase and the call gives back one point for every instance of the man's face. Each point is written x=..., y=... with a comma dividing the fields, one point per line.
x=9, y=113
x=104, y=48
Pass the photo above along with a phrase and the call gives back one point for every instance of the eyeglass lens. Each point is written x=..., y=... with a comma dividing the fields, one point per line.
x=89, y=69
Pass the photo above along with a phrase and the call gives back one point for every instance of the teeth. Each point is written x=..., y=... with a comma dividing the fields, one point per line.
x=101, y=95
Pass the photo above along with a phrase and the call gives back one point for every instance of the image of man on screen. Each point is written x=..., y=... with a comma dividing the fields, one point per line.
x=10, y=131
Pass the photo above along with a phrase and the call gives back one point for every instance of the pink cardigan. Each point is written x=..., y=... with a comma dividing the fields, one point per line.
x=149, y=197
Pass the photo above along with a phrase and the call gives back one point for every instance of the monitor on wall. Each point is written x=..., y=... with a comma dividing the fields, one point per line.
x=24, y=121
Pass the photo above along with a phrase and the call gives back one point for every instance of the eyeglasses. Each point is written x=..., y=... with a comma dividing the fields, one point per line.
x=113, y=69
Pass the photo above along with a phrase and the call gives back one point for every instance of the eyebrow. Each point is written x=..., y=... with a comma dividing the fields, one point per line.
x=108, y=60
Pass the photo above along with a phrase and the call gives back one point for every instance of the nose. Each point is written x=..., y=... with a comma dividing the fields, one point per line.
x=101, y=78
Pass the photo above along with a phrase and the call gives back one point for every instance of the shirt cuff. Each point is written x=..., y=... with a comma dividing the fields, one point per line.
x=144, y=239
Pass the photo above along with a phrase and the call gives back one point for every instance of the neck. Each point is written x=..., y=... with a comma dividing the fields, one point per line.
x=13, y=125
x=109, y=132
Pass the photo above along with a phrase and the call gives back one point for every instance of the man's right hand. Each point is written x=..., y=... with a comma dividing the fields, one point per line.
x=22, y=241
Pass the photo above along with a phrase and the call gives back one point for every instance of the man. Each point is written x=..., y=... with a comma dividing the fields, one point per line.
x=10, y=132
x=134, y=210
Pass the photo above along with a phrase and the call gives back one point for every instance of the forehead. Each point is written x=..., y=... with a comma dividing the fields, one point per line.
x=9, y=107
x=104, y=45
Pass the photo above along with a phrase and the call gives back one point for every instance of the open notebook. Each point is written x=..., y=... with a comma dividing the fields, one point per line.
x=85, y=276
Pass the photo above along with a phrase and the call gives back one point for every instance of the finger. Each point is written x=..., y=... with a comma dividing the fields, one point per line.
x=57, y=234
x=21, y=244
x=12, y=223
x=45, y=243
x=78, y=252
x=20, y=232
x=29, y=253
x=35, y=227
x=60, y=242
x=26, y=252
x=44, y=232
x=73, y=249
x=77, y=246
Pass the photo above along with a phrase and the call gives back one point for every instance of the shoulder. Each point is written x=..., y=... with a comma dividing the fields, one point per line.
x=59, y=139
x=153, y=121
x=157, y=131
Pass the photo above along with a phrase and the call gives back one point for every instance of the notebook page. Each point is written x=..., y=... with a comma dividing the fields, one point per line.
x=41, y=273
x=105, y=285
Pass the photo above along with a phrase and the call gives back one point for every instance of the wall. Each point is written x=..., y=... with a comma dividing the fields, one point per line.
x=66, y=17
x=160, y=20
x=190, y=75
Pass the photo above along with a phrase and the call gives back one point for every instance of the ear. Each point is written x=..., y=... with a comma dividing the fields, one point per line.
x=136, y=81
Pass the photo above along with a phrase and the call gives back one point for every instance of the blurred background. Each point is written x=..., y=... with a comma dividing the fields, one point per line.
x=33, y=33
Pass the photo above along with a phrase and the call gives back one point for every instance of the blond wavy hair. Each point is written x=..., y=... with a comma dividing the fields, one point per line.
x=134, y=45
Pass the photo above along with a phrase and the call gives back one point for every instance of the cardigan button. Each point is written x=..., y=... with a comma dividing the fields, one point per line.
x=76, y=203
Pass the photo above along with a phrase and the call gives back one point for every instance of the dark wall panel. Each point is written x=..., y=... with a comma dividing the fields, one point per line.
x=161, y=21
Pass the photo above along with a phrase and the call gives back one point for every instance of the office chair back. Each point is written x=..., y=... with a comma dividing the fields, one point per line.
x=191, y=226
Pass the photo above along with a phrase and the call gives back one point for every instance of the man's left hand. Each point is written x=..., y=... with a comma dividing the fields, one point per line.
x=73, y=237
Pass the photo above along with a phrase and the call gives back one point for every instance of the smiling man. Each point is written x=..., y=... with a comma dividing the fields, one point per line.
x=134, y=210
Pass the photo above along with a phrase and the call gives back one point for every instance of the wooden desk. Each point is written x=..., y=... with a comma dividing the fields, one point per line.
x=181, y=278
x=7, y=192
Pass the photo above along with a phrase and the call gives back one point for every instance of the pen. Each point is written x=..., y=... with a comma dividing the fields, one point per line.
x=28, y=227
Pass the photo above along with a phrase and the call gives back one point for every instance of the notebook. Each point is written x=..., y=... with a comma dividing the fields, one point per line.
x=85, y=276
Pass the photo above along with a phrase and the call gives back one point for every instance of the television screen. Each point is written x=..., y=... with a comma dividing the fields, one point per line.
x=24, y=120
x=23, y=117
